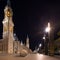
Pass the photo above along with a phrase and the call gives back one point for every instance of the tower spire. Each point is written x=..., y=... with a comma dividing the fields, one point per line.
x=8, y=3
x=21, y=43
x=27, y=41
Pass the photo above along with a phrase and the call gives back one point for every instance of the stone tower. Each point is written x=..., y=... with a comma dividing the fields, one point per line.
x=8, y=29
x=27, y=42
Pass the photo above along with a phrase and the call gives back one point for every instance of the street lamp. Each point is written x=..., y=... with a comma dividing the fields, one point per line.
x=48, y=28
x=45, y=45
x=40, y=45
x=40, y=48
x=44, y=37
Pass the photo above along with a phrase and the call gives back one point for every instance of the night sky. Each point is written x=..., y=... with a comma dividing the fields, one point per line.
x=31, y=17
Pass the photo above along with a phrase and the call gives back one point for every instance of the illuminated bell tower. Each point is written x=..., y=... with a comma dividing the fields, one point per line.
x=8, y=29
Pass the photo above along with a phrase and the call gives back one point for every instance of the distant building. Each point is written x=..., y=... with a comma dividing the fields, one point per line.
x=10, y=44
x=57, y=44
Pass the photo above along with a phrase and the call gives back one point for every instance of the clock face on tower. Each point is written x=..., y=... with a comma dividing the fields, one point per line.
x=8, y=13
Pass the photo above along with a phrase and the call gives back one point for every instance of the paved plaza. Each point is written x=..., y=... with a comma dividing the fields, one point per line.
x=28, y=57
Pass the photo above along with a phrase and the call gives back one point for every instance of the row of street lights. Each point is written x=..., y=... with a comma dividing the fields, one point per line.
x=46, y=46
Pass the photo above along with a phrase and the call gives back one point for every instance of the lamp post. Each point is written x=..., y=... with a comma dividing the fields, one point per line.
x=45, y=44
x=40, y=45
x=48, y=31
x=48, y=28
x=40, y=48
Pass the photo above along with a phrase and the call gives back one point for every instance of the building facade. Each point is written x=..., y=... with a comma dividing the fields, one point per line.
x=9, y=44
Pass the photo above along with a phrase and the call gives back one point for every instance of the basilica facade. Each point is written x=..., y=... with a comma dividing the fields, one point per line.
x=9, y=44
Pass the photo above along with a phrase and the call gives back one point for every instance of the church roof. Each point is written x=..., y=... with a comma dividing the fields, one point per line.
x=24, y=48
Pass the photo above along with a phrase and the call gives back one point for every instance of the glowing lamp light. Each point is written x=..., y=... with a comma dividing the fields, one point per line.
x=40, y=45
x=48, y=28
x=44, y=37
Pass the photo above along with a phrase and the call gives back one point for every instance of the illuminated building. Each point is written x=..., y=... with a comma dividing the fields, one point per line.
x=9, y=44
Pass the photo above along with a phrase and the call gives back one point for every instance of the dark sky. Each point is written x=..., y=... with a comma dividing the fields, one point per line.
x=31, y=17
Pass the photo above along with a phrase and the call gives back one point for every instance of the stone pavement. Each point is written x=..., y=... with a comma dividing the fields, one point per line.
x=28, y=57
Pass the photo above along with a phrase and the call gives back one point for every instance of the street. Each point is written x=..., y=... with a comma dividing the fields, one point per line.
x=28, y=57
